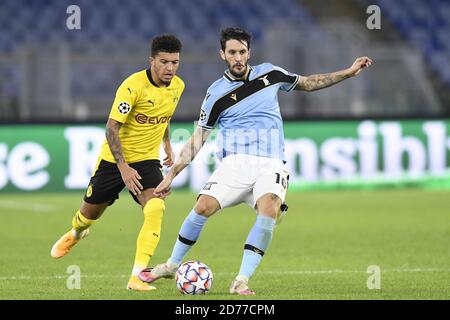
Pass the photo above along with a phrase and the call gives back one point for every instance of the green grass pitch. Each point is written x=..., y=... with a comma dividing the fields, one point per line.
x=321, y=250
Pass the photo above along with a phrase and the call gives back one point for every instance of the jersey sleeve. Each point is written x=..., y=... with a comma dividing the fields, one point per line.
x=290, y=79
x=180, y=93
x=207, y=118
x=126, y=98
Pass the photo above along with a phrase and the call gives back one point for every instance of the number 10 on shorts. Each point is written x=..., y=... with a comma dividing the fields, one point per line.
x=281, y=180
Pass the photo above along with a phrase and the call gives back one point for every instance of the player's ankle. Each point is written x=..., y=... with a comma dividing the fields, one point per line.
x=242, y=278
x=172, y=265
x=76, y=234
x=137, y=269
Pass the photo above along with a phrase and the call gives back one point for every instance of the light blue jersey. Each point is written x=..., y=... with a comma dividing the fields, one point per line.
x=247, y=112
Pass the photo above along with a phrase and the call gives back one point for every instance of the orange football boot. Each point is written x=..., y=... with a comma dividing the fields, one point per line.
x=65, y=243
x=136, y=284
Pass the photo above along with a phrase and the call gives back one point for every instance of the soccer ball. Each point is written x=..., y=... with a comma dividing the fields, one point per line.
x=193, y=277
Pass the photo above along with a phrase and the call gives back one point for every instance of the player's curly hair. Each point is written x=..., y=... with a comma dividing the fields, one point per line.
x=235, y=34
x=165, y=43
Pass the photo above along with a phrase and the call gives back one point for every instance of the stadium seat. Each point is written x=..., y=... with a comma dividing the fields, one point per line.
x=426, y=25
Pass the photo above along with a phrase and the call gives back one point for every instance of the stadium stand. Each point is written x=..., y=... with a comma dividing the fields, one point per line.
x=426, y=25
x=48, y=71
x=43, y=21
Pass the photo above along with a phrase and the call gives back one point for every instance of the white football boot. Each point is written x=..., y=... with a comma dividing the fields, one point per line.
x=165, y=270
x=240, y=286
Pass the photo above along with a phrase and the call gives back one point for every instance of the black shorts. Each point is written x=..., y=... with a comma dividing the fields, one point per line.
x=106, y=183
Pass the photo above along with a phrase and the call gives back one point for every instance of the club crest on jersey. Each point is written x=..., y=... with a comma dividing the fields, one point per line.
x=175, y=97
x=264, y=79
x=124, y=107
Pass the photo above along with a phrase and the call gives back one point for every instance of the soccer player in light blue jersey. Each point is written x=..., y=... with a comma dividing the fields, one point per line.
x=243, y=103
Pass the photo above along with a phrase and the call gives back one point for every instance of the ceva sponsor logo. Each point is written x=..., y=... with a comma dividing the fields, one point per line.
x=143, y=119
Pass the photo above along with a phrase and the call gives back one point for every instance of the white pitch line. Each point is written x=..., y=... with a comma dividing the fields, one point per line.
x=37, y=207
x=355, y=271
x=99, y=276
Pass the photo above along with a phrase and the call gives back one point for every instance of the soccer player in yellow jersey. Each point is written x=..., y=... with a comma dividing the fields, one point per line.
x=137, y=125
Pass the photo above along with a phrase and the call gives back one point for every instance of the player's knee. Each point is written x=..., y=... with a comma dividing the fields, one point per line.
x=270, y=211
x=92, y=211
x=154, y=206
x=202, y=208
x=269, y=205
x=206, y=206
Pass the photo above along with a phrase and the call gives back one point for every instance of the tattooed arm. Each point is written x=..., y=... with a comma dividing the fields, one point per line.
x=112, y=136
x=129, y=175
x=187, y=154
x=320, y=81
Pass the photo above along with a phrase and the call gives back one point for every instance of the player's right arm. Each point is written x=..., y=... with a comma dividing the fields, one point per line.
x=129, y=175
x=125, y=100
x=187, y=154
x=206, y=123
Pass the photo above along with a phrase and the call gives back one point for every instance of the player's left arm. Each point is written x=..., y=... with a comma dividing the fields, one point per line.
x=320, y=81
x=187, y=154
x=170, y=155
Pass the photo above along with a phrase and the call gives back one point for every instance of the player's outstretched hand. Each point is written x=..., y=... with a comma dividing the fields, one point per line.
x=359, y=64
x=163, y=189
x=131, y=179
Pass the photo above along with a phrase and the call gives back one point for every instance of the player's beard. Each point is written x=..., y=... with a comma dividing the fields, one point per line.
x=235, y=74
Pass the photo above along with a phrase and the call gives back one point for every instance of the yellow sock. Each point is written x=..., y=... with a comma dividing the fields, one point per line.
x=149, y=235
x=80, y=223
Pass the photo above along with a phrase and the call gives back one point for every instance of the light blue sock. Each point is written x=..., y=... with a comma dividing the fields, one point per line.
x=256, y=244
x=189, y=233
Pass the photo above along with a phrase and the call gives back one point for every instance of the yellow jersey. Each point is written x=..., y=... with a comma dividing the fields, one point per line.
x=144, y=109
